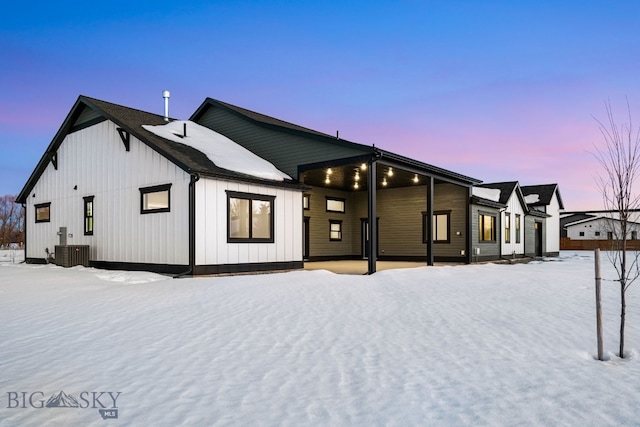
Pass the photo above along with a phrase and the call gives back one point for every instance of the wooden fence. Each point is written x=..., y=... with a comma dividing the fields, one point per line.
x=567, y=244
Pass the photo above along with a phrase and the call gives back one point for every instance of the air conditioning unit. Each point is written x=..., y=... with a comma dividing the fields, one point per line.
x=72, y=255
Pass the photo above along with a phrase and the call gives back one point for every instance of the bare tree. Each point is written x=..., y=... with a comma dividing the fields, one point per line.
x=619, y=156
x=11, y=221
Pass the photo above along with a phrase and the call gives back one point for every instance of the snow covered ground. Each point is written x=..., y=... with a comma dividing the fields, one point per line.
x=456, y=345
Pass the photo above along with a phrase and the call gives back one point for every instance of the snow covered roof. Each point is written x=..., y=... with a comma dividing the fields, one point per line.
x=87, y=111
x=532, y=198
x=492, y=194
x=545, y=193
x=222, y=151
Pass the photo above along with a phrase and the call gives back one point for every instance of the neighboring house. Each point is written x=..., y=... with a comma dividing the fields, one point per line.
x=599, y=228
x=569, y=217
x=148, y=193
x=544, y=203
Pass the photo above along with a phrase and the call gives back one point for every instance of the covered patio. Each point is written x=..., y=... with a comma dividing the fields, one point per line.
x=421, y=213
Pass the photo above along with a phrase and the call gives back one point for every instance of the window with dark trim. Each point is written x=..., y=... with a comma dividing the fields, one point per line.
x=155, y=199
x=518, y=228
x=335, y=230
x=88, y=216
x=609, y=235
x=486, y=227
x=441, y=227
x=43, y=212
x=335, y=204
x=306, y=199
x=507, y=227
x=250, y=218
x=634, y=235
x=597, y=233
x=581, y=234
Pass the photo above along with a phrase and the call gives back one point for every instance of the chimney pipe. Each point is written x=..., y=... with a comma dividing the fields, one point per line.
x=165, y=95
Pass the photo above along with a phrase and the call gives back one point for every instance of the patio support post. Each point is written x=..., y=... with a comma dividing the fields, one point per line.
x=429, y=225
x=469, y=246
x=373, y=224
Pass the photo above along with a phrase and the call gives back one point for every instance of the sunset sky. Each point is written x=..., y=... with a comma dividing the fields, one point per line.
x=496, y=90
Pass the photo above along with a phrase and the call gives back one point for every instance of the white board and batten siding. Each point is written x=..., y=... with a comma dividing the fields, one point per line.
x=95, y=160
x=211, y=225
x=514, y=207
x=553, y=225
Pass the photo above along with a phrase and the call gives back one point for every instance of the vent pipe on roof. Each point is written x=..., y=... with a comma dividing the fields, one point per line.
x=165, y=95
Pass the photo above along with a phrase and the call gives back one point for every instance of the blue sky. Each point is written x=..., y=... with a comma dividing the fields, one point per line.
x=497, y=90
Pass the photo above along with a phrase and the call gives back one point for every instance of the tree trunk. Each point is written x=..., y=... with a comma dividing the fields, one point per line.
x=623, y=309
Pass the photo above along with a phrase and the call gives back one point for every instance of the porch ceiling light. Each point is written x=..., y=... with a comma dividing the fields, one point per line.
x=363, y=166
x=384, y=182
x=355, y=185
x=390, y=172
x=327, y=180
x=415, y=178
x=329, y=171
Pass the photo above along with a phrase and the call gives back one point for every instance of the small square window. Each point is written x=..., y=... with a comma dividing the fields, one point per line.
x=335, y=205
x=155, y=199
x=597, y=233
x=335, y=230
x=43, y=212
x=582, y=234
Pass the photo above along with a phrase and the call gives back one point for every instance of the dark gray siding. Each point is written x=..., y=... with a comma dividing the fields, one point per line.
x=529, y=236
x=488, y=250
x=399, y=213
x=400, y=220
x=285, y=151
x=319, y=243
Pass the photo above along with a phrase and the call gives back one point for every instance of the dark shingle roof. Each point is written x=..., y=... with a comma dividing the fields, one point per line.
x=283, y=126
x=506, y=188
x=545, y=192
x=131, y=120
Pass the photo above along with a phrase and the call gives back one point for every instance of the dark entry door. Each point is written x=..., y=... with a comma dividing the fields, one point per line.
x=538, y=238
x=305, y=254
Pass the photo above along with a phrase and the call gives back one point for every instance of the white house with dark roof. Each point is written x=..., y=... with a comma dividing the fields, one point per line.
x=232, y=190
x=144, y=192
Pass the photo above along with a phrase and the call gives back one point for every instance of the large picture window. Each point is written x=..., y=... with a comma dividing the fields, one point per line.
x=155, y=199
x=88, y=216
x=486, y=227
x=441, y=227
x=250, y=218
x=43, y=212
